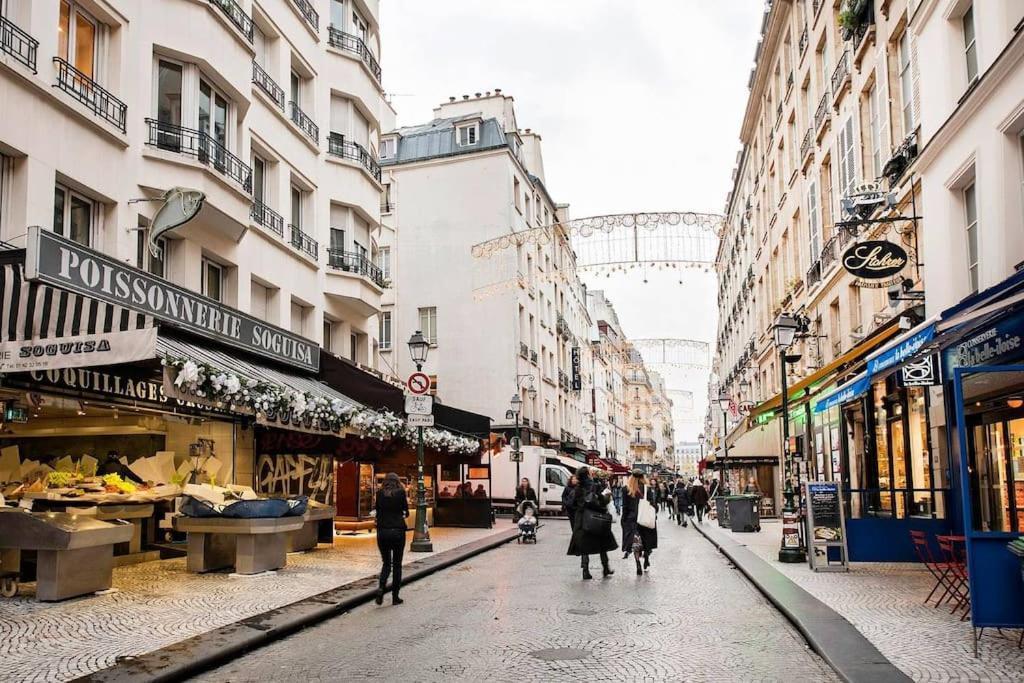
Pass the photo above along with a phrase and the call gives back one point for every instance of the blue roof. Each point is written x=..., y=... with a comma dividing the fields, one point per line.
x=437, y=139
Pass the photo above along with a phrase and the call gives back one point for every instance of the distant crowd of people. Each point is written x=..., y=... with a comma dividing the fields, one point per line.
x=464, y=490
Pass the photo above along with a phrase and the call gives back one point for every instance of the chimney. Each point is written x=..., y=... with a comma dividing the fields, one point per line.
x=465, y=97
x=451, y=99
x=477, y=94
x=527, y=131
x=488, y=93
x=497, y=91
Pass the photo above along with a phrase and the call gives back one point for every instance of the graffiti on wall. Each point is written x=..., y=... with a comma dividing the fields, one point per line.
x=295, y=475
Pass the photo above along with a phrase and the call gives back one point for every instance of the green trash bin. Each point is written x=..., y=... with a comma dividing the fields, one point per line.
x=722, y=511
x=744, y=513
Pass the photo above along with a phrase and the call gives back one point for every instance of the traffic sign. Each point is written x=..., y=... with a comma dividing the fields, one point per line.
x=419, y=405
x=418, y=383
x=420, y=420
x=515, y=456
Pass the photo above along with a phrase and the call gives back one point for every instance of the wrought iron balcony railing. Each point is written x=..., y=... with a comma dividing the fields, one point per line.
x=267, y=84
x=841, y=74
x=308, y=13
x=205, y=149
x=90, y=93
x=814, y=274
x=338, y=146
x=302, y=120
x=524, y=350
x=236, y=15
x=803, y=40
x=356, y=45
x=357, y=263
x=822, y=113
x=267, y=217
x=18, y=44
x=828, y=254
x=807, y=146
x=303, y=242
x=534, y=357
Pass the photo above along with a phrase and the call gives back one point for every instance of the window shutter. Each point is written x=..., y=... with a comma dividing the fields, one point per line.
x=915, y=78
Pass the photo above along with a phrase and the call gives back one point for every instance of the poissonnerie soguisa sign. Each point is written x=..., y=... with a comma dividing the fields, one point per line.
x=59, y=261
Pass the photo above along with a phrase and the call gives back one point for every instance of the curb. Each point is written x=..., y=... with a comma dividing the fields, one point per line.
x=206, y=651
x=851, y=655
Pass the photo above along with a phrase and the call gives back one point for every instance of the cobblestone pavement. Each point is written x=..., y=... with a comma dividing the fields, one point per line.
x=521, y=613
x=156, y=604
x=884, y=601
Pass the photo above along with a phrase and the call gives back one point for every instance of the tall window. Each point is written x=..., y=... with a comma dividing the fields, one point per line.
x=428, y=323
x=328, y=340
x=296, y=198
x=300, y=314
x=875, y=127
x=970, y=45
x=76, y=38
x=971, y=211
x=385, y=331
x=259, y=301
x=906, y=83
x=259, y=178
x=73, y=215
x=338, y=14
x=384, y=262
x=814, y=221
x=213, y=280
x=359, y=27
x=149, y=262
x=168, y=97
x=213, y=113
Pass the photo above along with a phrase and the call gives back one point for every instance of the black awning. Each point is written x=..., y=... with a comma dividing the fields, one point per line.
x=351, y=380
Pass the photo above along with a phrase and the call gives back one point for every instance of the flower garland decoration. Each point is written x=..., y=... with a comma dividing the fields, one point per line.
x=286, y=404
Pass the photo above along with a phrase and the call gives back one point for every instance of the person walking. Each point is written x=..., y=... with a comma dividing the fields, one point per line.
x=640, y=539
x=590, y=538
x=392, y=509
x=617, y=495
x=523, y=492
x=673, y=511
x=699, y=499
x=682, y=502
x=569, y=501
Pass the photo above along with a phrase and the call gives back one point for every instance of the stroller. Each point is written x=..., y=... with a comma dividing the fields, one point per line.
x=527, y=524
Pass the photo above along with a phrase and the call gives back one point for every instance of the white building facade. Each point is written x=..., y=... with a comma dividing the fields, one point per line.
x=271, y=109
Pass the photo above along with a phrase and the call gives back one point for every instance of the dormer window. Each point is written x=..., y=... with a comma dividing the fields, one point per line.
x=467, y=134
x=388, y=147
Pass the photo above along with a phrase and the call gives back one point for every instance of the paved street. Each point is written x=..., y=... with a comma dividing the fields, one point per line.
x=521, y=613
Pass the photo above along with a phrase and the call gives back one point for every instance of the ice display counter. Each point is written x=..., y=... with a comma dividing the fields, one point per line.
x=74, y=553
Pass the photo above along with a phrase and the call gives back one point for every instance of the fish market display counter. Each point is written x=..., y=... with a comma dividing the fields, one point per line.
x=250, y=546
x=74, y=553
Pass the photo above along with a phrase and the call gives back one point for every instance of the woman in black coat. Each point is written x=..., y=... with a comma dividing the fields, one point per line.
x=524, y=492
x=589, y=495
x=636, y=489
x=391, y=510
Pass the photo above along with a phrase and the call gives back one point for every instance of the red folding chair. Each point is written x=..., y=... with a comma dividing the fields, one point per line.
x=948, y=545
x=940, y=571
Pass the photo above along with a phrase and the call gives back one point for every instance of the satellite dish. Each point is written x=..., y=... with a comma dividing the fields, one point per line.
x=181, y=205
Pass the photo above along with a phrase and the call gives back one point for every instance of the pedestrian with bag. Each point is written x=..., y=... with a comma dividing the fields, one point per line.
x=392, y=508
x=639, y=520
x=699, y=499
x=592, y=530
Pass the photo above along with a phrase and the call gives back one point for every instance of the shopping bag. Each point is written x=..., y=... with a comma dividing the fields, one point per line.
x=646, y=515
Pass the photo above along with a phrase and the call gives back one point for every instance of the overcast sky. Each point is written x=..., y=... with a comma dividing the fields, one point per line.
x=639, y=105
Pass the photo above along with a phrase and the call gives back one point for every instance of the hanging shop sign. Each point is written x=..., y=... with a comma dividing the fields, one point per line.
x=577, y=380
x=181, y=205
x=864, y=199
x=991, y=345
x=59, y=261
x=924, y=372
x=875, y=260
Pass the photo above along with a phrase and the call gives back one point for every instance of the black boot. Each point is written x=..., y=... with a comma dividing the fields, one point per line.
x=606, y=570
x=395, y=600
x=647, y=560
x=639, y=569
x=585, y=564
x=379, y=599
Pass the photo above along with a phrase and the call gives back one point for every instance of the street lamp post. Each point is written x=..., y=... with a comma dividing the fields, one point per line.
x=723, y=404
x=418, y=348
x=790, y=549
x=515, y=411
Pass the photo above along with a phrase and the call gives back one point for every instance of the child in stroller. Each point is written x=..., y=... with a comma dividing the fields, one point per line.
x=527, y=522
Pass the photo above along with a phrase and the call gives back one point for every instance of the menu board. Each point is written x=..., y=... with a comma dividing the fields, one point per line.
x=826, y=527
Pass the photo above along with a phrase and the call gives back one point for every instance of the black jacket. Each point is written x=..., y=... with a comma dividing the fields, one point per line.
x=582, y=542
x=569, y=501
x=392, y=511
x=630, y=512
x=530, y=495
x=699, y=495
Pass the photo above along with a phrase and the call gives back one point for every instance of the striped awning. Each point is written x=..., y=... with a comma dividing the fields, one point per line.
x=44, y=327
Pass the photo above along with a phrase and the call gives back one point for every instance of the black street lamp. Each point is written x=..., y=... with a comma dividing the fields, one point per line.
x=791, y=549
x=723, y=404
x=418, y=349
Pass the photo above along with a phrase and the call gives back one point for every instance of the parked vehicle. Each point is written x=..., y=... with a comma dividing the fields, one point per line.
x=547, y=471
